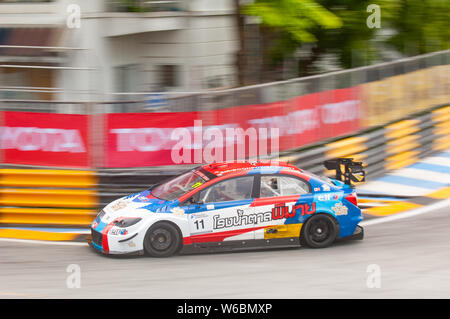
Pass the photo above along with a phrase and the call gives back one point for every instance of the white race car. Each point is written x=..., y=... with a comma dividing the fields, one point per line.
x=229, y=206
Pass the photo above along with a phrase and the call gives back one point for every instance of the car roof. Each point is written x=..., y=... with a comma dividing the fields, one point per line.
x=226, y=168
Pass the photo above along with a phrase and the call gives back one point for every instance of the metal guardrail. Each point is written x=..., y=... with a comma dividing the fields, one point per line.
x=145, y=6
x=436, y=82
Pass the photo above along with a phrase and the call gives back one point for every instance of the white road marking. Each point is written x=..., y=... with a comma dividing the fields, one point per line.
x=414, y=212
x=443, y=161
x=423, y=174
x=31, y=241
x=394, y=189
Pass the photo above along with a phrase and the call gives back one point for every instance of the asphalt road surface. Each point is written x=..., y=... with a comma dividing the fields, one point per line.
x=413, y=256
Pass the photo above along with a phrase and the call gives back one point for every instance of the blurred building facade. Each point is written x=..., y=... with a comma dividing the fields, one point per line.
x=50, y=52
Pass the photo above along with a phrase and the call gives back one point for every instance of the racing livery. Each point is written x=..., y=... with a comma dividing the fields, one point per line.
x=230, y=206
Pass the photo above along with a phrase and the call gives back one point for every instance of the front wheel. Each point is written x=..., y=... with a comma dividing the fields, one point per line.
x=162, y=240
x=319, y=231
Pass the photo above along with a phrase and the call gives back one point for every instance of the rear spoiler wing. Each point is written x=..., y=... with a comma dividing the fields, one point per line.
x=353, y=171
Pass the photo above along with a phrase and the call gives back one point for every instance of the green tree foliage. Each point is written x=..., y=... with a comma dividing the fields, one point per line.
x=295, y=17
x=339, y=27
x=420, y=26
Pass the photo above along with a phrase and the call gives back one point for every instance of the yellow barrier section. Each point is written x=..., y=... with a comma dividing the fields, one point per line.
x=349, y=147
x=47, y=178
x=47, y=197
x=391, y=209
x=443, y=193
x=385, y=100
x=37, y=235
x=441, y=118
x=50, y=197
x=401, y=144
x=46, y=216
x=398, y=207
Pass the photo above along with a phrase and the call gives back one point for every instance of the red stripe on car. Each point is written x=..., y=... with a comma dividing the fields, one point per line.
x=273, y=200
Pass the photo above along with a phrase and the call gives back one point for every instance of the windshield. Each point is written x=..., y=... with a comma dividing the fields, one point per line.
x=178, y=186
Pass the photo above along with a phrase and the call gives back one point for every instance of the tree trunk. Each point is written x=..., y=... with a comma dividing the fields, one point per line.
x=241, y=56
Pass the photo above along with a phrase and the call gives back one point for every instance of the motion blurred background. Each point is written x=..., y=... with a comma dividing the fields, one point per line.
x=92, y=90
x=97, y=88
x=361, y=63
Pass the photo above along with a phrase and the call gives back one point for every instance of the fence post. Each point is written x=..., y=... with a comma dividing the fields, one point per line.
x=96, y=135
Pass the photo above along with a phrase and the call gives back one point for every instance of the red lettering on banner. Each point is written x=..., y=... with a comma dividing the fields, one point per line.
x=147, y=139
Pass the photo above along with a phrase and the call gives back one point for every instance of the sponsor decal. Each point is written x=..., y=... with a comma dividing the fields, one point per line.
x=118, y=205
x=143, y=198
x=177, y=211
x=197, y=184
x=240, y=219
x=340, y=209
x=118, y=231
x=327, y=197
x=281, y=211
x=325, y=188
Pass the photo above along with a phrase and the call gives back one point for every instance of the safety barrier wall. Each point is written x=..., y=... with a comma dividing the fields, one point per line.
x=72, y=197
x=305, y=110
x=48, y=197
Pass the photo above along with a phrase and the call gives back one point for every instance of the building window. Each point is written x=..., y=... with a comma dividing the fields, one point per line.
x=127, y=78
x=167, y=76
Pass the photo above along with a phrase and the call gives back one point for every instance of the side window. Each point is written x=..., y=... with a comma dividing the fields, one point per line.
x=293, y=186
x=273, y=186
x=228, y=190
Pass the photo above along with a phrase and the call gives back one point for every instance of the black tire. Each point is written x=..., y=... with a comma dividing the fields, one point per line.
x=162, y=240
x=319, y=231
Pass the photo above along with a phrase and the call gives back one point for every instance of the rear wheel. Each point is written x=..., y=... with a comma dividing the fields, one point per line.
x=162, y=240
x=319, y=231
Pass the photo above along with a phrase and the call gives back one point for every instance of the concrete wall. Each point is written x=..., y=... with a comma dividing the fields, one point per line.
x=200, y=42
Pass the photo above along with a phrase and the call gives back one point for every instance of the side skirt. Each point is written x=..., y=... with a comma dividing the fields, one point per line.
x=240, y=245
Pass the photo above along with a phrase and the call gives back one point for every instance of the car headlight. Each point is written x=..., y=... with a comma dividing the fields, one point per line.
x=99, y=216
x=126, y=222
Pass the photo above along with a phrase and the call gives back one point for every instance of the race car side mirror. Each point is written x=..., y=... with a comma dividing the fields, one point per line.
x=195, y=199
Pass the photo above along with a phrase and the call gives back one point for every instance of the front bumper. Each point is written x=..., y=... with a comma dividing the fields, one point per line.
x=96, y=241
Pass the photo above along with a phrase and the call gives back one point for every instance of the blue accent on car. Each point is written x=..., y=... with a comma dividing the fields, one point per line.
x=195, y=208
x=97, y=246
x=265, y=170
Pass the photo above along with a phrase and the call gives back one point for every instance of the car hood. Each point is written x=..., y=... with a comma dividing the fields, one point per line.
x=140, y=205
